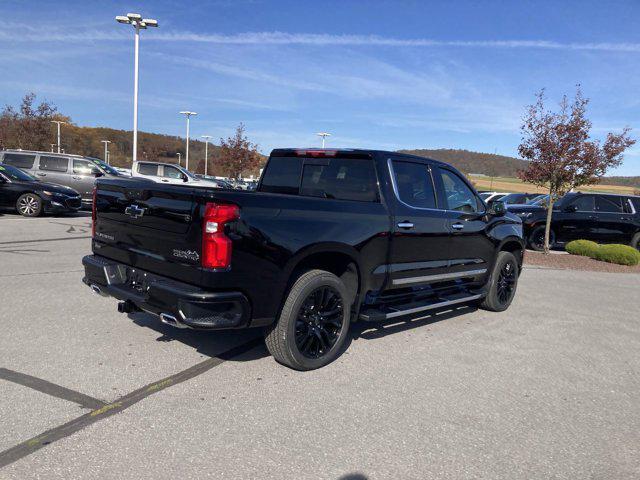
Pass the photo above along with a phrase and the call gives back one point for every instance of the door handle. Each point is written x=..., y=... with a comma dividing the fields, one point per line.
x=457, y=226
x=165, y=181
x=405, y=224
x=41, y=174
x=75, y=177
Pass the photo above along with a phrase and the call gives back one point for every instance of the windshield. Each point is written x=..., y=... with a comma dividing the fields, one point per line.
x=539, y=200
x=15, y=174
x=107, y=168
x=512, y=198
x=485, y=195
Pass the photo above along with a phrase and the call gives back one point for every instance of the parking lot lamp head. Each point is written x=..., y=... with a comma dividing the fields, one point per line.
x=136, y=20
x=323, y=135
x=187, y=114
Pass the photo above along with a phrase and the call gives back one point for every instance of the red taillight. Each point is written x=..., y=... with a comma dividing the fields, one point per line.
x=93, y=213
x=216, y=246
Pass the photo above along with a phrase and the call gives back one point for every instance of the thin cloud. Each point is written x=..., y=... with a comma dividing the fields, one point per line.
x=7, y=33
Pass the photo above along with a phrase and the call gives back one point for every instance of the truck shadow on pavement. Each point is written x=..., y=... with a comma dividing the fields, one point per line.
x=212, y=343
x=216, y=342
x=374, y=330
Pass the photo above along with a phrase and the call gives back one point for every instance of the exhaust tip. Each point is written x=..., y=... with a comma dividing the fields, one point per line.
x=171, y=320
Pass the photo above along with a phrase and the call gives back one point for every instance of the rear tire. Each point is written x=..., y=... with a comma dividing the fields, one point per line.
x=635, y=241
x=314, y=322
x=29, y=205
x=536, y=239
x=503, y=283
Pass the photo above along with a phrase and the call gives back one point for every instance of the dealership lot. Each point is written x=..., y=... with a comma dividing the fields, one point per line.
x=547, y=389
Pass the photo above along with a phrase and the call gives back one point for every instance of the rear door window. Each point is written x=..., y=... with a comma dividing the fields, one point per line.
x=414, y=184
x=282, y=175
x=148, y=169
x=608, y=204
x=53, y=164
x=19, y=160
x=584, y=203
x=340, y=179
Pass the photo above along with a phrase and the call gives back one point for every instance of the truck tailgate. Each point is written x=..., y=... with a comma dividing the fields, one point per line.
x=148, y=225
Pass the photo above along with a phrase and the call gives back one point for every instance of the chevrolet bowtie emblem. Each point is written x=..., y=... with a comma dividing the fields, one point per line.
x=134, y=211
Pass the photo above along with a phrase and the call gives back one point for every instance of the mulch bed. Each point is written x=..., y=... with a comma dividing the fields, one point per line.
x=574, y=262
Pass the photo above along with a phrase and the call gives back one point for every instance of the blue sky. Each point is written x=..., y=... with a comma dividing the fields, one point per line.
x=376, y=74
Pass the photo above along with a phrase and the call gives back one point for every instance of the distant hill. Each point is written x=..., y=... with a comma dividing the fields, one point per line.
x=497, y=165
x=475, y=162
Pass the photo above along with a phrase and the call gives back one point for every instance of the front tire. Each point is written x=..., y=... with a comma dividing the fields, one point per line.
x=503, y=283
x=29, y=205
x=536, y=239
x=314, y=322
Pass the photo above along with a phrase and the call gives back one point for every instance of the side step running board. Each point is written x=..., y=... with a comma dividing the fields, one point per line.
x=377, y=315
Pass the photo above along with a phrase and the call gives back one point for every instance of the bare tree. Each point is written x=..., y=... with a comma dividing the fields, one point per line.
x=238, y=154
x=560, y=152
x=29, y=127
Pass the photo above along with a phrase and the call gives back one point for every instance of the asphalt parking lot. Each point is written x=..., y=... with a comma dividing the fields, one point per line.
x=548, y=389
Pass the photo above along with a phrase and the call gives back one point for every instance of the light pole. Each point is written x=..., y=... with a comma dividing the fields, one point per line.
x=138, y=23
x=106, y=150
x=323, y=135
x=187, y=114
x=58, y=122
x=206, y=150
x=52, y=145
x=179, y=158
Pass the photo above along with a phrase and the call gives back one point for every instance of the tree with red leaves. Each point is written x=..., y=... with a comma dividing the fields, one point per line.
x=238, y=154
x=561, y=154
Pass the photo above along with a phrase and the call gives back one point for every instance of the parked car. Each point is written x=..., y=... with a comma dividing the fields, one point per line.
x=221, y=183
x=74, y=171
x=518, y=198
x=170, y=173
x=330, y=237
x=489, y=197
x=31, y=197
x=603, y=218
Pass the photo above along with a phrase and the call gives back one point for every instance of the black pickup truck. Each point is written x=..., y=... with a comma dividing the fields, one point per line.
x=328, y=238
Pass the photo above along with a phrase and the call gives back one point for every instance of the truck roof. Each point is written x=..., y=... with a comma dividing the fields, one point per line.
x=334, y=152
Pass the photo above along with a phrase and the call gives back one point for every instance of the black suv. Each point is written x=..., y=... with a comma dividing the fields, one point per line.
x=603, y=218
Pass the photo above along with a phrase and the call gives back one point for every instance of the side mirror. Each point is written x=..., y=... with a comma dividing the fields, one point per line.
x=98, y=174
x=571, y=208
x=497, y=209
x=185, y=179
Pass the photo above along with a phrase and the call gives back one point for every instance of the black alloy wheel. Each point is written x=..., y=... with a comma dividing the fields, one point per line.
x=506, y=282
x=319, y=322
x=502, y=284
x=312, y=328
x=536, y=239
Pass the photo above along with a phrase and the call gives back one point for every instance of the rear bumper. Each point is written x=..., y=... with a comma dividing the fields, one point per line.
x=177, y=303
